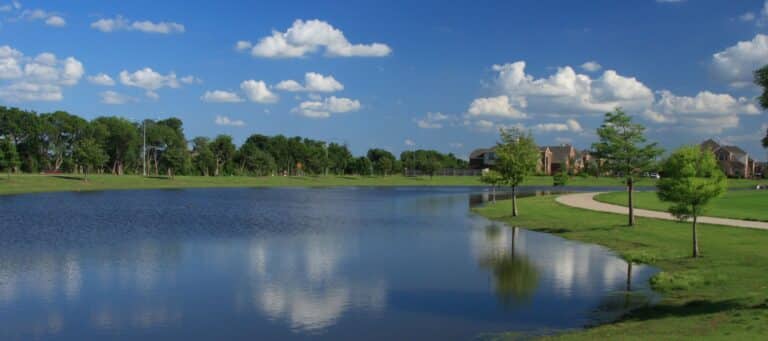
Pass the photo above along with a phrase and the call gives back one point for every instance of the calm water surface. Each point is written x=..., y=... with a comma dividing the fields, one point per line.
x=348, y=263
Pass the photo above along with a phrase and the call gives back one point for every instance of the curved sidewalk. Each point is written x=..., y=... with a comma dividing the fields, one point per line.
x=587, y=201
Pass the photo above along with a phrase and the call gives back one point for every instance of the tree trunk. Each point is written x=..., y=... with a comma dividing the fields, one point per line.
x=85, y=174
x=630, y=190
x=514, y=201
x=695, y=239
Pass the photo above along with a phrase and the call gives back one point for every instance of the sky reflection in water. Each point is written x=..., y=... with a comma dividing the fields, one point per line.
x=291, y=263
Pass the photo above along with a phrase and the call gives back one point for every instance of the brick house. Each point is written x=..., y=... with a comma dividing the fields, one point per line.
x=733, y=161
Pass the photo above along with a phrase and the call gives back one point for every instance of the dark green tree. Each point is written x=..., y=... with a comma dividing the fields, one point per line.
x=10, y=158
x=203, y=159
x=89, y=154
x=624, y=151
x=223, y=152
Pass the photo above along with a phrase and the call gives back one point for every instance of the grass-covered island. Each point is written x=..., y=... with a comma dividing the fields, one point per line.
x=723, y=294
x=747, y=205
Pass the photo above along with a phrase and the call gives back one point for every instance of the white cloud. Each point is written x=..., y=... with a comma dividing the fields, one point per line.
x=409, y=143
x=257, y=91
x=456, y=145
x=55, y=21
x=705, y=112
x=313, y=82
x=736, y=64
x=569, y=125
x=591, y=66
x=226, y=121
x=189, y=79
x=220, y=96
x=567, y=92
x=101, y=79
x=119, y=23
x=494, y=106
x=330, y=105
x=112, y=97
x=749, y=16
x=40, y=78
x=433, y=120
x=149, y=80
x=305, y=37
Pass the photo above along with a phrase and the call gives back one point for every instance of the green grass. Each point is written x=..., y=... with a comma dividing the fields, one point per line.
x=749, y=205
x=28, y=183
x=50, y=183
x=723, y=295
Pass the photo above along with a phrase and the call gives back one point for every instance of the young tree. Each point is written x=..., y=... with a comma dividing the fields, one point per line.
x=691, y=179
x=493, y=179
x=560, y=178
x=623, y=149
x=89, y=154
x=516, y=157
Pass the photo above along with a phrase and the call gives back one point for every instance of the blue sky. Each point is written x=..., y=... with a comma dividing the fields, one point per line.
x=395, y=74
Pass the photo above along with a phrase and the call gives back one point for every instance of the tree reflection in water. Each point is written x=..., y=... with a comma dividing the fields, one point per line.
x=515, y=276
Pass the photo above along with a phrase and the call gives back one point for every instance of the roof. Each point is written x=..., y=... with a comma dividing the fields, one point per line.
x=478, y=153
x=561, y=153
x=734, y=150
x=710, y=144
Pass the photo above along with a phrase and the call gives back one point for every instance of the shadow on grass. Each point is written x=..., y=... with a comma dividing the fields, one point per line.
x=697, y=307
x=157, y=177
x=68, y=177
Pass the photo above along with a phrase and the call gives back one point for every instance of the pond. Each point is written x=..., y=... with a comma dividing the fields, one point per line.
x=339, y=263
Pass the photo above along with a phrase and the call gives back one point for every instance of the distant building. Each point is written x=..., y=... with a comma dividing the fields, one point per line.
x=552, y=159
x=733, y=161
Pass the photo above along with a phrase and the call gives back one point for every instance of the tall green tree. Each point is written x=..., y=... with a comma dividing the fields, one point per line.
x=516, y=158
x=623, y=149
x=89, y=154
x=761, y=79
x=122, y=143
x=383, y=161
x=203, y=161
x=223, y=152
x=691, y=179
x=10, y=159
x=174, y=159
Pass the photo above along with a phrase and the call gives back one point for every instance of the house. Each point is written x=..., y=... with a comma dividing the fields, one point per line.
x=482, y=158
x=733, y=161
x=552, y=159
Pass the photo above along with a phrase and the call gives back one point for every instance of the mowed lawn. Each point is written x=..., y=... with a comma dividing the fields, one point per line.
x=28, y=183
x=722, y=295
x=742, y=204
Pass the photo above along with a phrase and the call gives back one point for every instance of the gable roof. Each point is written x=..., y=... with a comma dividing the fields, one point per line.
x=710, y=145
x=478, y=153
x=734, y=150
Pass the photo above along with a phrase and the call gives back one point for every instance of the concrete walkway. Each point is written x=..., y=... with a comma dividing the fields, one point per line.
x=587, y=201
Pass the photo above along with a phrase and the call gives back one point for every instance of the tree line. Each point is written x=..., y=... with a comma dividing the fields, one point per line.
x=63, y=142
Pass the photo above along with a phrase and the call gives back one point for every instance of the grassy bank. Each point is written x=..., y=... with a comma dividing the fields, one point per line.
x=722, y=295
x=50, y=183
x=749, y=205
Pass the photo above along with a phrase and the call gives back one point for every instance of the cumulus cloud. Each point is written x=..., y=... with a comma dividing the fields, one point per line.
x=591, y=66
x=569, y=125
x=326, y=107
x=55, y=21
x=189, y=79
x=495, y=106
x=119, y=23
x=101, y=79
x=705, y=112
x=41, y=78
x=112, y=97
x=305, y=37
x=313, y=82
x=226, y=121
x=567, y=92
x=220, y=96
x=49, y=18
x=735, y=64
x=257, y=91
x=409, y=143
x=149, y=80
x=433, y=120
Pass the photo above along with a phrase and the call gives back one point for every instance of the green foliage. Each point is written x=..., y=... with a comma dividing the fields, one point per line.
x=622, y=145
x=560, y=178
x=10, y=158
x=89, y=154
x=383, y=161
x=223, y=153
x=517, y=156
x=691, y=179
x=362, y=166
x=492, y=178
x=761, y=80
x=430, y=160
